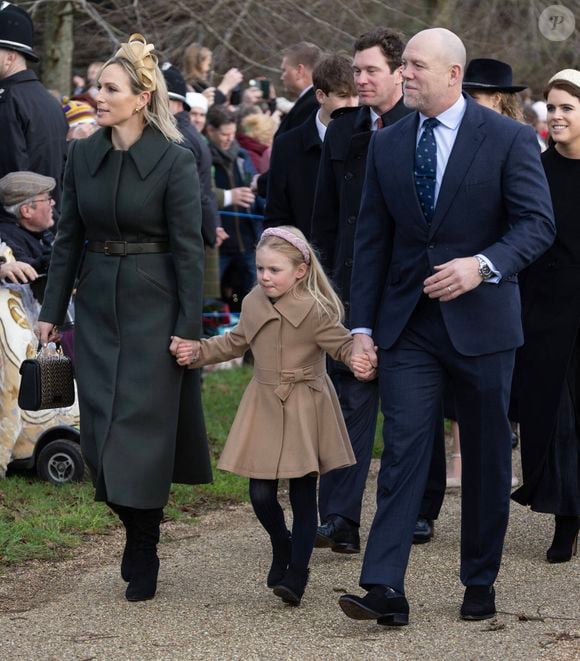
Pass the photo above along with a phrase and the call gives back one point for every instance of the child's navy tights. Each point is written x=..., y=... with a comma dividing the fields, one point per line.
x=264, y=497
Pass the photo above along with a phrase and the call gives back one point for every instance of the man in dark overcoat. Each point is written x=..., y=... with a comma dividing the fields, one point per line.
x=33, y=127
x=338, y=195
x=296, y=153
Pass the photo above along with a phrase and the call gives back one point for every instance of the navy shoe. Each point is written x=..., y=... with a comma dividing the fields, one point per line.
x=338, y=534
x=478, y=603
x=381, y=603
x=423, y=532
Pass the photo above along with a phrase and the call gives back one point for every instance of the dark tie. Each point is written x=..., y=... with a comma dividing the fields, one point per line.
x=426, y=167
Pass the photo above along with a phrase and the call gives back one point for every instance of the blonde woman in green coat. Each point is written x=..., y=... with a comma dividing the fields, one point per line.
x=132, y=196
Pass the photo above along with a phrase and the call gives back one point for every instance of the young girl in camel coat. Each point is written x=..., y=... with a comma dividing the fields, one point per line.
x=289, y=423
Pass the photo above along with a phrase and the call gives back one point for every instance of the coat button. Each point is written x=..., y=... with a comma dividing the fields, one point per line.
x=351, y=220
x=431, y=246
x=348, y=176
x=348, y=262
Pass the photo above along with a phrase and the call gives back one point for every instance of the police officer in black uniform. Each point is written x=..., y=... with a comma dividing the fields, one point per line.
x=33, y=127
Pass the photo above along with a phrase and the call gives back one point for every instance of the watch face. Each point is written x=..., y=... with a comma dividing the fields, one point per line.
x=485, y=272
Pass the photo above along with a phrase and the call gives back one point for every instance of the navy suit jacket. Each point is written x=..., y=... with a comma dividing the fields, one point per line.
x=493, y=200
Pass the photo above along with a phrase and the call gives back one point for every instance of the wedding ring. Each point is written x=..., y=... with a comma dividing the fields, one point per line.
x=450, y=290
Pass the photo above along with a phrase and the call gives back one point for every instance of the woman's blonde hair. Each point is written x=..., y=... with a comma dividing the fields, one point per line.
x=315, y=282
x=511, y=106
x=260, y=127
x=140, y=63
x=193, y=58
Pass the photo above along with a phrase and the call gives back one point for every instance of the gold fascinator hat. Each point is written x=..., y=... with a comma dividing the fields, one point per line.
x=140, y=54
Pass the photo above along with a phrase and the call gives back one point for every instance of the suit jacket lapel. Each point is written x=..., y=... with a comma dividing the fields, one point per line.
x=469, y=138
x=405, y=167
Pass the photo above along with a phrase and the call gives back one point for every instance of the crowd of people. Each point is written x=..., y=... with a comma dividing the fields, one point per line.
x=413, y=250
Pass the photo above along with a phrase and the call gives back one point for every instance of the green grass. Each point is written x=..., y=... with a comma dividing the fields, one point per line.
x=42, y=521
x=39, y=520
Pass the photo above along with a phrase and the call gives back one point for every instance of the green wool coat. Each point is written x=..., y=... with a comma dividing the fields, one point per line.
x=141, y=418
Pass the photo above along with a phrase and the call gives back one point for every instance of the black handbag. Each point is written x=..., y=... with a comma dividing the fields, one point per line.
x=47, y=381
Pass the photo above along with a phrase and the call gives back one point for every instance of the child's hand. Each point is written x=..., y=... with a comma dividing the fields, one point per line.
x=187, y=352
x=362, y=367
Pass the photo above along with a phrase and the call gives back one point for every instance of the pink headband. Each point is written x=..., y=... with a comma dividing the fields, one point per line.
x=296, y=241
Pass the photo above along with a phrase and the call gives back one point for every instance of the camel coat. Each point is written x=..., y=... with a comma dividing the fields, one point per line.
x=289, y=421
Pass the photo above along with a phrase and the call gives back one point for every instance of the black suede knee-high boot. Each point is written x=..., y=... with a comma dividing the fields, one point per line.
x=125, y=514
x=145, y=562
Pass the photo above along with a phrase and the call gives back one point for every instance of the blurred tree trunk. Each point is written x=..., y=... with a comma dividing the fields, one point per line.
x=57, y=46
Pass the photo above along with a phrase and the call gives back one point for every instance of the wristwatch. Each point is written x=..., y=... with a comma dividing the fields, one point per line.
x=484, y=271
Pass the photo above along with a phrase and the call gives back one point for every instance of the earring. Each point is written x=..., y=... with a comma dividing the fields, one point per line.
x=136, y=111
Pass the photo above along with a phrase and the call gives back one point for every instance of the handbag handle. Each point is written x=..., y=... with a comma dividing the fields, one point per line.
x=51, y=350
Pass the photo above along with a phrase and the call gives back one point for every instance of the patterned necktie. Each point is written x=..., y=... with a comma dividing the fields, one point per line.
x=379, y=123
x=426, y=167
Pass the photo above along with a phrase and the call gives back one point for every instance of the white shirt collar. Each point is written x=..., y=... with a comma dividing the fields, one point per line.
x=320, y=127
x=374, y=117
x=450, y=118
x=303, y=92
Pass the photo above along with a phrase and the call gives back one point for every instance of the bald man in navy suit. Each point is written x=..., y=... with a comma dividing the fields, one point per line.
x=455, y=204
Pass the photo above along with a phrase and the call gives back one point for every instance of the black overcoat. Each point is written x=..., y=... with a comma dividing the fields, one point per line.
x=550, y=290
x=141, y=418
x=33, y=129
x=292, y=177
x=339, y=190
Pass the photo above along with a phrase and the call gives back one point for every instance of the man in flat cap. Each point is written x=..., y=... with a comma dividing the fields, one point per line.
x=32, y=125
x=28, y=203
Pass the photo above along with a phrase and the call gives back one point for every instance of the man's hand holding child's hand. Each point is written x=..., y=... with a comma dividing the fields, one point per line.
x=362, y=367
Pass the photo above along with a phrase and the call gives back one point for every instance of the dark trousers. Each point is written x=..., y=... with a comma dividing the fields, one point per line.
x=341, y=491
x=411, y=376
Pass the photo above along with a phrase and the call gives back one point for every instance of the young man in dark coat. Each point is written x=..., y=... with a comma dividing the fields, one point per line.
x=296, y=153
x=377, y=58
x=32, y=125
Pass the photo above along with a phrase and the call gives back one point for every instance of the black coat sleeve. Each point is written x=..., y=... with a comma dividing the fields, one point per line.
x=278, y=204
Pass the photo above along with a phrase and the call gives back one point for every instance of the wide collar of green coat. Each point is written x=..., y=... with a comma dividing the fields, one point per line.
x=145, y=153
x=259, y=309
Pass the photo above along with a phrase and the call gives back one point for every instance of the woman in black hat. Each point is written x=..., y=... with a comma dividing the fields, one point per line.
x=489, y=82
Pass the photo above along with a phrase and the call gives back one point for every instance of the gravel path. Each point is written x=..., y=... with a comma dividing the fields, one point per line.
x=212, y=602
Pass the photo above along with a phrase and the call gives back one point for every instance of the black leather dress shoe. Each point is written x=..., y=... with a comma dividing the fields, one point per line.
x=381, y=603
x=478, y=603
x=423, y=531
x=338, y=534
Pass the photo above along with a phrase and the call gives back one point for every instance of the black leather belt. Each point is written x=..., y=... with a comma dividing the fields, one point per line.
x=122, y=248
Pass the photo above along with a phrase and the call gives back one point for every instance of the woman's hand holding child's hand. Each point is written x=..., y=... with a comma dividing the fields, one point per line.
x=185, y=351
x=362, y=367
